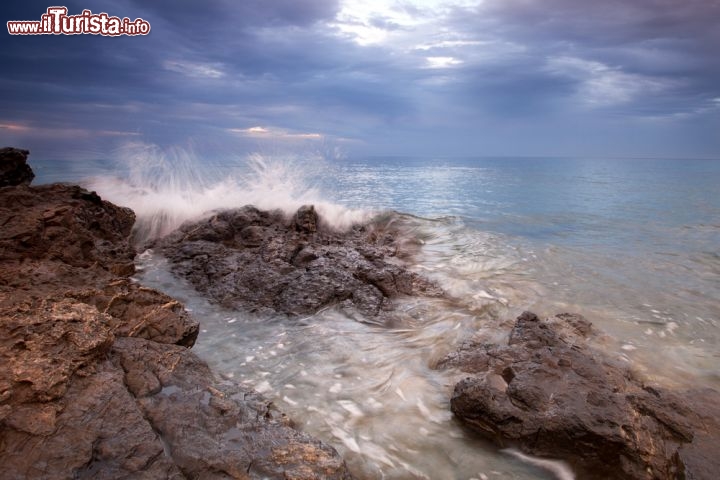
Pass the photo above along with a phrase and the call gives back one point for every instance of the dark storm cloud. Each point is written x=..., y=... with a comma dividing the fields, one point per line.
x=223, y=15
x=606, y=23
x=208, y=68
x=70, y=83
x=663, y=38
x=646, y=56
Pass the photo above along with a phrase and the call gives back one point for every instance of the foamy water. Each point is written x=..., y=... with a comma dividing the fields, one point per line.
x=167, y=188
x=369, y=391
x=632, y=246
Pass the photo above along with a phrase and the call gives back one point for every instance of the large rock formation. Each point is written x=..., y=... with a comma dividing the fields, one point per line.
x=14, y=169
x=97, y=378
x=263, y=261
x=549, y=393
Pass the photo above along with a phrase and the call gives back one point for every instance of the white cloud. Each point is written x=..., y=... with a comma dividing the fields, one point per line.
x=195, y=70
x=442, y=62
x=449, y=44
x=602, y=85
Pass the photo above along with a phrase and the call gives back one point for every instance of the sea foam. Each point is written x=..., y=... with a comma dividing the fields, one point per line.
x=167, y=187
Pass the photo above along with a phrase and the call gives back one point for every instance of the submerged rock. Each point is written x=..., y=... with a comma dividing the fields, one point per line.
x=98, y=380
x=549, y=393
x=14, y=169
x=262, y=261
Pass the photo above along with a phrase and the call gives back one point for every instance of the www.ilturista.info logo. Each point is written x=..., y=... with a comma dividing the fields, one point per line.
x=57, y=22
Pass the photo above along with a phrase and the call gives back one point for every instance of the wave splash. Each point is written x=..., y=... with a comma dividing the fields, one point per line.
x=167, y=187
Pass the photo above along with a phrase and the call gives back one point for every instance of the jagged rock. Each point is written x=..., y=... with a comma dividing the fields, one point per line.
x=14, y=169
x=247, y=258
x=70, y=414
x=97, y=380
x=217, y=430
x=61, y=235
x=306, y=219
x=550, y=394
x=136, y=311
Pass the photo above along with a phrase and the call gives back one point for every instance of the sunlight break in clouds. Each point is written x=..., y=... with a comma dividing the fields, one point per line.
x=442, y=62
x=14, y=127
x=369, y=22
x=274, y=133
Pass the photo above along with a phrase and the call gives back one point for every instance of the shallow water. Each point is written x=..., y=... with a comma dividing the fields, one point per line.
x=367, y=390
x=634, y=245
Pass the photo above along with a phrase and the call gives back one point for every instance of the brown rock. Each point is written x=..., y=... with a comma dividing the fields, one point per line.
x=99, y=433
x=60, y=236
x=214, y=430
x=136, y=311
x=43, y=348
x=97, y=380
x=549, y=393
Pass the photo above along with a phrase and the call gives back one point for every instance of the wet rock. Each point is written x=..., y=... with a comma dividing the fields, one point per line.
x=14, y=169
x=700, y=457
x=97, y=380
x=262, y=261
x=549, y=393
x=80, y=399
x=62, y=231
x=214, y=430
x=136, y=311
x=306, y=219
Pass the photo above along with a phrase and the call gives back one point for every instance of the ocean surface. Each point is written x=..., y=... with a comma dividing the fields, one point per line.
x=632, y=244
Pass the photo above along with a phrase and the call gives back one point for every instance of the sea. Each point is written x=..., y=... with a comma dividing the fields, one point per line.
x=633, y=244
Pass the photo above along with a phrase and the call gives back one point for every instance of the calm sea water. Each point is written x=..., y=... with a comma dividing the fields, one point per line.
x=634, y=245
x=640, y=204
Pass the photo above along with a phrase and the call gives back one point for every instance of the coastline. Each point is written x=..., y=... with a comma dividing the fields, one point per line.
x=68, y=260
x=99, y=381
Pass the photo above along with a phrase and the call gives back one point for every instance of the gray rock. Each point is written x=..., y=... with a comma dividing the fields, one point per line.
x=264, y=262
x=306, y=219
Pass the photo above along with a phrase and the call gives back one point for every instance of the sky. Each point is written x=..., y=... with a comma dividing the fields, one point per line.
x=621, y=78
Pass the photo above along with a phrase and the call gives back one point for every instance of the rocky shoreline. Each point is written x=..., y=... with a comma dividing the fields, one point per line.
x=548, y=393
x=99, y=380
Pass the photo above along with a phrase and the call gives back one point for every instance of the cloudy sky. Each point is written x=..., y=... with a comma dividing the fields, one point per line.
x=372, y=77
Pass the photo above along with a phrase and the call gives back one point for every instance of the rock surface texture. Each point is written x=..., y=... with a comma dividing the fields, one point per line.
x=97, y=379
x=548, y=393
x=265, y=262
